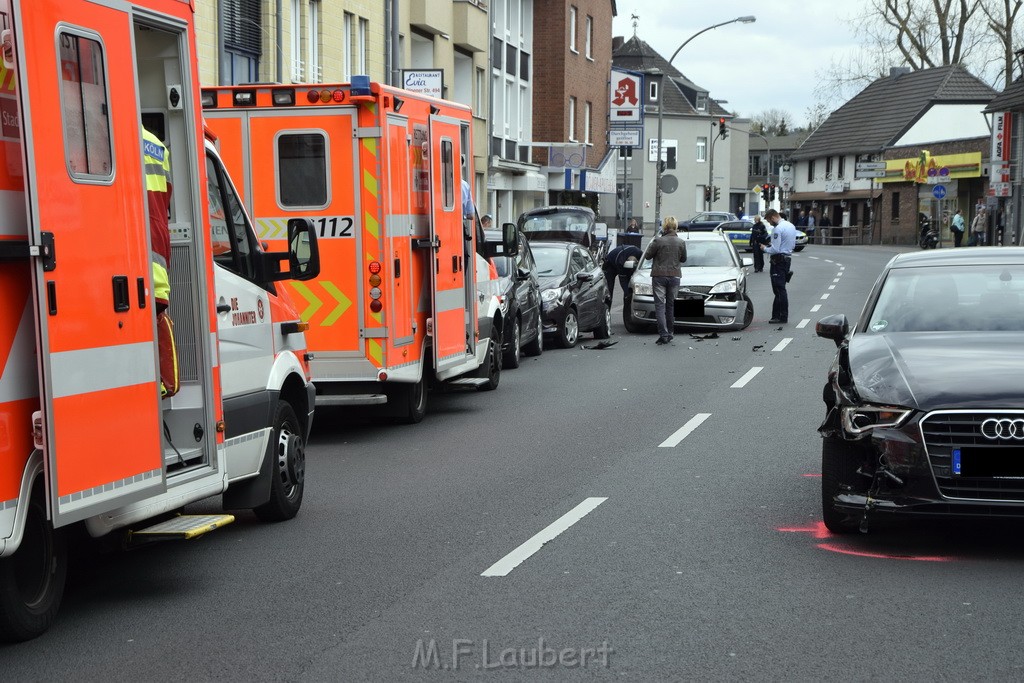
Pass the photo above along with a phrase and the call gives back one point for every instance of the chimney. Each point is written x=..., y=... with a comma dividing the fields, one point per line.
x=617, y=42
x=897, y=71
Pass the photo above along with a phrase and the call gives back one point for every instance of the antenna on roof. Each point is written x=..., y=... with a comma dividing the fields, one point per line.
x=636, y=19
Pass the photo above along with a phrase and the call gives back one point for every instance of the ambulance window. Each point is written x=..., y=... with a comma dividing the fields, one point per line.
x=229, y=235
x=84, y=103
x=447, y=175
x=302, y=170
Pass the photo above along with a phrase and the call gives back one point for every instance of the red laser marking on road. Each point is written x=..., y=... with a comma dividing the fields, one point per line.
x=819, y=531
x=811, y=475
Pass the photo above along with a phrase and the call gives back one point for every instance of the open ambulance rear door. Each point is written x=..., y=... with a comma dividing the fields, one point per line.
x=86, y=202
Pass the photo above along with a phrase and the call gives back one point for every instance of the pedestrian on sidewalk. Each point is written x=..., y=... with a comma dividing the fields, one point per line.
x=978, y=227
x=956, y=225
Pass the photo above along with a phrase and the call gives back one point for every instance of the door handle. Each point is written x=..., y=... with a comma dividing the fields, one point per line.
x=223, y=308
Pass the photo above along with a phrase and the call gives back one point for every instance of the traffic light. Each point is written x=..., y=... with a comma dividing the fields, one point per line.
x=671, y=153
x=707, y=193
x=766, y=192
x=722, y=130
x=717, y=194
x=774, y=192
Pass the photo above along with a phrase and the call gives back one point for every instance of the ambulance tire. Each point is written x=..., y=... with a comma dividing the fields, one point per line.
x=32, y=580
x=288, y=469
x=413, y=402
x=515, y=347
x=491, y=369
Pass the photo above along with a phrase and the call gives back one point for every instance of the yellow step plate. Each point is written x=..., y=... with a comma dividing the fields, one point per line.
x=185, y=526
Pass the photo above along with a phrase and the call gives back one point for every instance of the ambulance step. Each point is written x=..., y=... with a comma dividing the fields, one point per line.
x=182, y=526
x=351, y=399
x=468, y=382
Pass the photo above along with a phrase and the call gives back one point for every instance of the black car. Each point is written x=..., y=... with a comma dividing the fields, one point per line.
x=519, y=291
x=563, y=224
x=573, y=291
x=925, y=399
x=707, y=220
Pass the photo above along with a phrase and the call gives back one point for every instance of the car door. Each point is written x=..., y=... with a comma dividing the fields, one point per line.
x=588, y=295
x=529, y=288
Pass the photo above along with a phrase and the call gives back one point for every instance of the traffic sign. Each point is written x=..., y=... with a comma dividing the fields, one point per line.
x=939, y=191
x=870, y=165
x=869, y=174
x=625, y=137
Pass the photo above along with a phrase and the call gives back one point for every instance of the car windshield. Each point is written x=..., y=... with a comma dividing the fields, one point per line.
x=550, y=261
x=987, y=297
x=571, y=226
x=700, y=254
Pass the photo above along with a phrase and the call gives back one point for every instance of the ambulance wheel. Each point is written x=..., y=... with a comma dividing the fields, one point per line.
x=492, y=363
x=414, y=402
x=515, y=347
x=288, y=469
x=32, y=580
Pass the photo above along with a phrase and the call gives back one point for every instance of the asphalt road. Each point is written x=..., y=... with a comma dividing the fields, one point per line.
x=680, y=494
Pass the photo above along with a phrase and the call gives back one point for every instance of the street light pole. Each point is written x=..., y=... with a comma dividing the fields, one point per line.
x=661, y=108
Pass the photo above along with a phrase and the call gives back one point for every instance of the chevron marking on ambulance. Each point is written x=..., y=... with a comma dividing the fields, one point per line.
x=272, y=228
x=313, y=301
x=376, y=352
x=343, y=304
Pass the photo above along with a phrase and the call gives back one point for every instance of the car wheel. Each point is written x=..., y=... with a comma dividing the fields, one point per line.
x=631, y=322
x=748, y=317
x=288, y=469
x=536, y=347
x=412, y=400
x=569, y=331
x=840, y=460
x=32, y=580
x=492, y=364
x=515, y=351
x=800, y=248
x=604, y=330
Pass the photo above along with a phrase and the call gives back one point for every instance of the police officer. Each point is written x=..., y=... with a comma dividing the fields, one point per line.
x=615, y=265
x=157, y=165
x=780, y=255
x=758, y=237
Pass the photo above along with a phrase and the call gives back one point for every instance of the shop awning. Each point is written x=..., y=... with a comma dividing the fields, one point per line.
x=833, y=196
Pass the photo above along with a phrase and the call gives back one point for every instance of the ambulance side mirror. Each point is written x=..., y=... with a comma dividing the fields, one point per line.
x=303, y=254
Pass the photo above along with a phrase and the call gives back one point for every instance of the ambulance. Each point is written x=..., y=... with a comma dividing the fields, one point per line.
x=86, y=437
x=397, y=306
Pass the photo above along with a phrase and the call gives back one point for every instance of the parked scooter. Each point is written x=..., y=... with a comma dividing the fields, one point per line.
x=929, y=236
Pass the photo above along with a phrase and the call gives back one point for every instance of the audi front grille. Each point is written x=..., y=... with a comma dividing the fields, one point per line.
x=992, y=442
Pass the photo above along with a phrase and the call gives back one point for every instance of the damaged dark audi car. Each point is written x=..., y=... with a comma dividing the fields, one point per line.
x=925, y=398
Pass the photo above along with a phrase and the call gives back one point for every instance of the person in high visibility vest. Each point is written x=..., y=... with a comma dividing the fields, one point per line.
x=157, y=164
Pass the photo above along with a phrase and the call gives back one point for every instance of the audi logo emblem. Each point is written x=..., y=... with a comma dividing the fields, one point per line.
x=1003, y=428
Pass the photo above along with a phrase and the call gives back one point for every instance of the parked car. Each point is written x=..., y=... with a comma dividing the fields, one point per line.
x=924, y=413
x=563, y=224
x=739, y=234
x=707, y=220
x=518, y=291
x=712, y=290
x=573, y=291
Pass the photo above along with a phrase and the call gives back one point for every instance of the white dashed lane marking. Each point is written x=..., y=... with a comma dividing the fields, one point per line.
x=831, y=286
x=824, y=296
x=515, y=558
x=782, y=344
x=815, y=308
x=684, y=431
x=742, y=381
x=803, y=323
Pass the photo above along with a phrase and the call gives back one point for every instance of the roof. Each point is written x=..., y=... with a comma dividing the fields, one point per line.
x=879, y=114
x=960, y=257
x=636, y=55
x=1011, y=98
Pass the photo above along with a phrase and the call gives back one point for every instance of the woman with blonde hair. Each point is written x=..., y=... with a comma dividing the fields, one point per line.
x=667, y=251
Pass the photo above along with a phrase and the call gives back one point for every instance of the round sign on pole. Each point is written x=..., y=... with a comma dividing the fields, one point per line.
x=669, y=184
x=939, y=191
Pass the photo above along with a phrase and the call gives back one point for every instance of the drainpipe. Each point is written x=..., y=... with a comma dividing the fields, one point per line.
x=396, y=57
x=279, y=37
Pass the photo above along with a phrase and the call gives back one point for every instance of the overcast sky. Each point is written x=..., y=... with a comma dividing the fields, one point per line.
x=771, y=63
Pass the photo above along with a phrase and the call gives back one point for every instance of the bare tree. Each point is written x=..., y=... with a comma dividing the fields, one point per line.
x=1001, y=17
x=771, y=122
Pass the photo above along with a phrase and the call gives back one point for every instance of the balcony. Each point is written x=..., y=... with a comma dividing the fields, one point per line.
x=433, y=16
x=470, y=27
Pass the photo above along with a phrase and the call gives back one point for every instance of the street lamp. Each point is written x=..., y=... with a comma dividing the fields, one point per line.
x=661, y=108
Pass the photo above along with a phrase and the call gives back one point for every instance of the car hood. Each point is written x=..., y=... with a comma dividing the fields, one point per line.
x=931, y=370
x=700, y=276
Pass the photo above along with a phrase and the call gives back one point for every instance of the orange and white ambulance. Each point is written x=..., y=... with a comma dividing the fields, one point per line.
x=380, y=172
x=85, y=436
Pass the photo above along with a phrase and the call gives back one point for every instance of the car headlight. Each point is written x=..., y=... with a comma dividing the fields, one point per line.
x=549, y=295
x=862, y=419
x=727, y=287
x=643, y=289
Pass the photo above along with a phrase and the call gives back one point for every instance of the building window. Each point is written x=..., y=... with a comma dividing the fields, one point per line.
x=481, y=92
x=361, y=46
x=241, y=33
x=508, y=109
x=589, y=38
x=828, y=168
x=83, y=100
x=842, y=168
x=346, y=52
x=510, y=59
x=652, y=91
x=586, y=123
x=895, y=206
x=572, y=119
x=702, y=149
x=702, y=101
x=496, y=52
x=524, y=111
x=572, y=29
x=810, y=171
x=313, y=43
x=524, y=65
x=462, y=83
x=296, y=40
